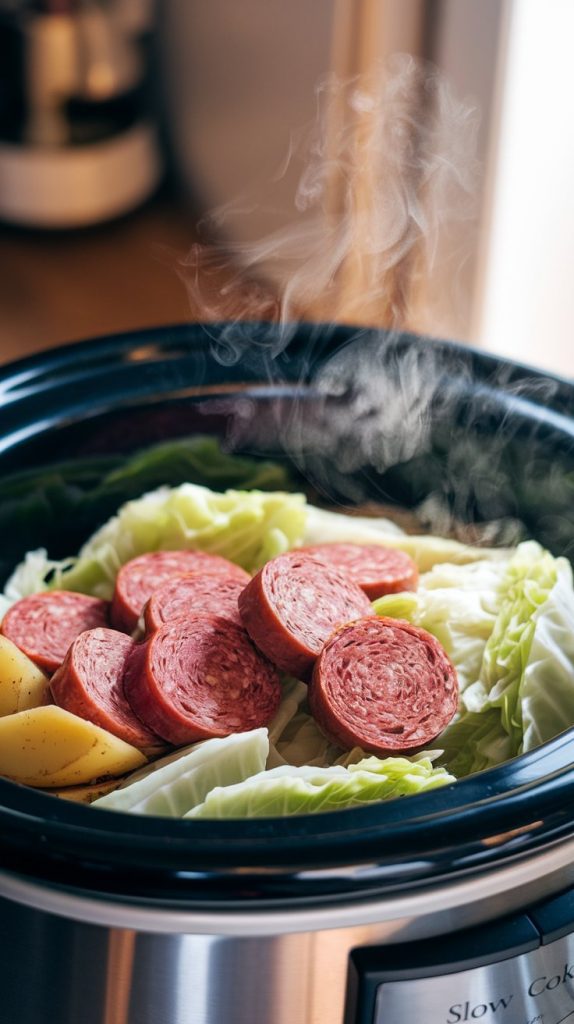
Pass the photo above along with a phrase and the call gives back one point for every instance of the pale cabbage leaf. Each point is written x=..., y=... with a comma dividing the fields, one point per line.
x=295, y=738
x=173, y=785
x=325, y=526
x=306, y=790
x=524, y=695
x=458, y=604
x=248, y=527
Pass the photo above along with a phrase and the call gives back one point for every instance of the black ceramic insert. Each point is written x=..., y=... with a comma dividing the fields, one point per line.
x=355, y=415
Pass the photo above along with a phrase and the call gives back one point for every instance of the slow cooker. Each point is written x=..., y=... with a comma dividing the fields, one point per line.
x=450, y=906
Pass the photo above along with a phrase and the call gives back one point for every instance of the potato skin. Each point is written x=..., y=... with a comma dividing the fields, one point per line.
x=48, y=747
x=84, y=794
x=22, y=684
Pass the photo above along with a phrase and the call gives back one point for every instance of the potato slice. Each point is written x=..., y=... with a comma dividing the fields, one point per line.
x=22, y=684
x=50, y=747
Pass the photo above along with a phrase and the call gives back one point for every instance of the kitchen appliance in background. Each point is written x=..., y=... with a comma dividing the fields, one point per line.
x=78, y=142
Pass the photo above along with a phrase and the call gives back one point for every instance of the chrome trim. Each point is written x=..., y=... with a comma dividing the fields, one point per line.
x=416, y=914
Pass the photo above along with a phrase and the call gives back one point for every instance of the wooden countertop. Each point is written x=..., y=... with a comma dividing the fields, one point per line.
x=63, y=287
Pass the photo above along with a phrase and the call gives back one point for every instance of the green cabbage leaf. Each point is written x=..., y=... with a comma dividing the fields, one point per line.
x=458, y=604
x=296, y=739
x=170, y=787
x=248, y=527
x=308, y=790
x=85, y=491
x=524, y=694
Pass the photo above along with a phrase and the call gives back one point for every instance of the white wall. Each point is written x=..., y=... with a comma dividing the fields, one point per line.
x=525, y=300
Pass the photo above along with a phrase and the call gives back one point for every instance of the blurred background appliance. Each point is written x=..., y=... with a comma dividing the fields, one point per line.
x=78, y=144
x=96, y=96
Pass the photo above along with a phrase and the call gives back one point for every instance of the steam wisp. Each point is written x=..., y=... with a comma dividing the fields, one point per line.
x=388, y=172
x=381, y=226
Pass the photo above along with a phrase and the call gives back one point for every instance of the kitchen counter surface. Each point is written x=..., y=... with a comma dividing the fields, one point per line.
x=63, y=287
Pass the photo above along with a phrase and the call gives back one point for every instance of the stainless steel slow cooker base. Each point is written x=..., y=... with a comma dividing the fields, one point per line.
x=104, y=962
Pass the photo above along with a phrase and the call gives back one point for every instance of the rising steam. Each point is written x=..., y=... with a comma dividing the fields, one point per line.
x=380, y=230
x=388, y=174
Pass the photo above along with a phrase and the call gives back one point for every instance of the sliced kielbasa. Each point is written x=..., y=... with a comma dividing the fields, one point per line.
x=196, y=592
x=89, y=683
x=138, y=579
x=201, y=677
x=293, y=605
x=376, y=569
x=44, y=625
x=383, y=685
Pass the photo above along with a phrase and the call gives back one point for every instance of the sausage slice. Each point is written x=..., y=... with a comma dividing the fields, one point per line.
x=139, y=578
x=375, y=569
x=293, y=605
x=89, y=683
x=44, y=625
x=383, y=685
x=197, y=592
x=199, y=678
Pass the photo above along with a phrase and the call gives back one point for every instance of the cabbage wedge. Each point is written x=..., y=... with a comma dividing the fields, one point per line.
x=458, y=604
x=247, y=527
x=175, y=784
x=524, y=694
x=306, y=790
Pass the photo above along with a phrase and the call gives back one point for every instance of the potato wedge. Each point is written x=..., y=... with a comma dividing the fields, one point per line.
x=49, y=747
x=22, y=684
x=84, y=794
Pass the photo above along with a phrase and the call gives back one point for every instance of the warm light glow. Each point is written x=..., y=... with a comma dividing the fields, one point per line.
x=525, y=307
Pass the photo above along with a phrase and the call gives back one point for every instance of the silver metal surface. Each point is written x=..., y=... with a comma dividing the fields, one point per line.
x=536, y=988
x=91, y=961
x=54, y=971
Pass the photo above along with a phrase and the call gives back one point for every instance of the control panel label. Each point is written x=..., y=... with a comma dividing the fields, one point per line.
x=535, y=988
